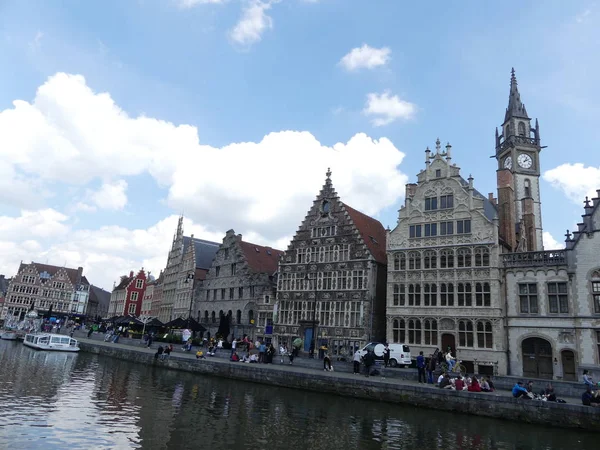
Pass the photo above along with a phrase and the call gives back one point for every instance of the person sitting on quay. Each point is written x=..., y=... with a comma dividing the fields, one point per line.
x=548, y=393
x=200, y=355
x=590, y=398
x=159, y=352
x=235, y=357
x=167, y=352
x=254, y=358
x=475, y=386
x=446, y=383
x=485, y=385
x=327, y=363
x=518, y=391
x=587, y=378
x=459, y=384
x=188, y=345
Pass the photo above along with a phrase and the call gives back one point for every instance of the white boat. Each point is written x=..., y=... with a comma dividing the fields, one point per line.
x=48, y=341
x=9, y=335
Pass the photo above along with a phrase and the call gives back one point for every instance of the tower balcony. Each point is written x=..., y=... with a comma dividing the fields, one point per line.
x=511, y=141
x=532, y=259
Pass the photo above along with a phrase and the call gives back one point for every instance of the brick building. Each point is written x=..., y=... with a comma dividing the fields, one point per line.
x=332, y=278
x=127, y=296
x=239, y=288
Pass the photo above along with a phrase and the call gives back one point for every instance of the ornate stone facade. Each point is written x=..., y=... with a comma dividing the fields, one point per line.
x=239, y=289
x=332, y=278
x=443, y=286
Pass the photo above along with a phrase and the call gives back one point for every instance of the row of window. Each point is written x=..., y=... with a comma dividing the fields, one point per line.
x=447, y=228
x=445, y=202
x=323, y=231
x=338, y=280
x=425, y=332
x=323, y=254
x=229, y=294
x=444, y=259
x=558, y=298
x=329, y=313
x=428, y=294
x=30, y=279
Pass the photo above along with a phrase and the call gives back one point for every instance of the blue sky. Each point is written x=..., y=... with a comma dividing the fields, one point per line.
x=211, y=79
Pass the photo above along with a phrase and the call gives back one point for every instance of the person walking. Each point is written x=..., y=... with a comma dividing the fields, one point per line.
x=431, y=368
x=421, y=367
x=386, y=355
x=356, y=362
x=369, y=360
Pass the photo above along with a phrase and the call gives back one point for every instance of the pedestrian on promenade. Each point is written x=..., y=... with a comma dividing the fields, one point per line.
x=356, y=362
x=431, y=368
x=587, y=379
x=369, y=360
x=327, y=363
x=233, y=347
x=421, y=367
x=149, y=340
x=386, y=355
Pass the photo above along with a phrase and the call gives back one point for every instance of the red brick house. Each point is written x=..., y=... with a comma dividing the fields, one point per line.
x=128, y=295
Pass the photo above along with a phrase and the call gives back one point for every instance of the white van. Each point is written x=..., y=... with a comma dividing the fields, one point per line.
x=399, y=353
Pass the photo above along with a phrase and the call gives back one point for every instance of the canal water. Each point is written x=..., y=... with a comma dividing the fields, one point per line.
x=83, y=401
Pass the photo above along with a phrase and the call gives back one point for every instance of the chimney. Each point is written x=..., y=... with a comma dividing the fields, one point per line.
x=491, y=198
x=131, y=274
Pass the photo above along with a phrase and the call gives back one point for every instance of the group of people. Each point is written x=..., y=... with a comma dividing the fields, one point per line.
x=466, y=383
x=163, y=353
x=525, y=391
x=590, y=397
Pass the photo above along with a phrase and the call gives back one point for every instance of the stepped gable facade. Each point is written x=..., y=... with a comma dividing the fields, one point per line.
x=239, y=289
x=332, y=278
x=127, y=296
x=42, y=286
x=443, y=285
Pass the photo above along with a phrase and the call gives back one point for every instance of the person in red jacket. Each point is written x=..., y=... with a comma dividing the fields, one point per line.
x=459, y=384
x=475, y=386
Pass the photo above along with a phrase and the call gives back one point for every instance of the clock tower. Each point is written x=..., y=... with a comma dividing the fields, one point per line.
x=518, y=155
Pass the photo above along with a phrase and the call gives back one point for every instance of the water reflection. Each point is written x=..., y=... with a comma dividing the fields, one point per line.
x=57, y=400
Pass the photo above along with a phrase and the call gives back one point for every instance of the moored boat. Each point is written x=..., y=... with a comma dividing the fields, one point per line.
x=9, y=335
x=48, y=341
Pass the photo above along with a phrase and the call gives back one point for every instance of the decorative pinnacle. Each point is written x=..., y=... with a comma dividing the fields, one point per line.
x=568, y=235
x=328, y=173
x=587, y=202
x=437, y=145
x=513, y=77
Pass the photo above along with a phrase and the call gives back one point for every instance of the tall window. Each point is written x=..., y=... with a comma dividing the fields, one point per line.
x=527, y=184
x=223, y=294
x=139, y=283
x=414, y=295
x=399, y=296
x=414, y=261
x=464, y=294
x=463, y=226
x=447, y=294
x=446, y=228
x=399, y=331
x=596, y=295
x=414, y=331
x=465, y=333
x=598, y=342
x=463, y=257
x=233, y=269
x=484, y=334
x=431, y=229
x=528, y=298
x=134, y=296
x=482, y=294
x=446, y=201
x=131, y=309
x=521, y=128
x=217, y=271
x=357, y=279
x=431, y=203
x=430, y=294
x=231, y=291
x=430, y=332
x=240, y=292
x=558, y=300
x=430, y=260
x=482, y=257
x=446, y=259
x=415, y=231
x=399, y=261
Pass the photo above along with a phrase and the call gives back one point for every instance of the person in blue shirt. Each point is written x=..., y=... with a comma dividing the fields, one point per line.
x=518, y=391
x=421, y=367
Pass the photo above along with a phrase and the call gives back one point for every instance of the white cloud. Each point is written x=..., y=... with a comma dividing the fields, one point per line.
x=550, y=243
x=36, y=43
x=579, y=18
x=385, y=108
x=575, y=180
x=365, y=57
x=253, y=23
x=186, y=4
x=68, y=134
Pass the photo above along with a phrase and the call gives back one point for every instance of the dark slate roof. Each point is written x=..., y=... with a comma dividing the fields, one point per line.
x=205, y=251
x=3, y=284
x=372, y=233
x=99, y=295
x=489, y=209
x=52, y=270
x=125, y=280
x=261, y=259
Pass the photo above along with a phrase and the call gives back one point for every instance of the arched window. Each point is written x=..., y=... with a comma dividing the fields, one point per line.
x=414, y=295
x=206, y=316
x=463, y=257
x=507, y=131
x=430, y=294
x=326, y=207
x=430, y=332
x=251, y=317
x=213, y=318
x=484, y=334
x=336, y=253
x=430, y=260
x=447, y=294
x=464, y=294
x=522, y=129
x=527, y=184
x=465, y=333
x=446, y=259
x=482, y=257
x=399, y=331
x=414, y=261
x=595, y=291
x=238, y=316
x=396, y=261
x=482, y=294
x=399, y=296
x=414, y=331
x=399, y=261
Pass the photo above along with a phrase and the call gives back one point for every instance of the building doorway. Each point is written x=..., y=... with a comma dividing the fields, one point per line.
x=537, y=358
x=308, y=335
x=448, y=340
x=568, y=365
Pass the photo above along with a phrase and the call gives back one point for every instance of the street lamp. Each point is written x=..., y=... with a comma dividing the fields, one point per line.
x=314, y=318
x=188, y=278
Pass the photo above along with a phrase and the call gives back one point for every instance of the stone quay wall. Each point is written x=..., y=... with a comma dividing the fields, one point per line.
x=374, y=388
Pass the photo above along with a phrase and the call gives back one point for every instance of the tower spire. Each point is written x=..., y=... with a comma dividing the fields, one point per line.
x=515, y=107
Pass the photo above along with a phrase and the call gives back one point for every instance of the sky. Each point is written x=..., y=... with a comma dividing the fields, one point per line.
x=118, y=116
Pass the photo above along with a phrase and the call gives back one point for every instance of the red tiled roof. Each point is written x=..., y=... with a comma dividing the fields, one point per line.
x=52, y=270
x=372, y=233
x=261, y=259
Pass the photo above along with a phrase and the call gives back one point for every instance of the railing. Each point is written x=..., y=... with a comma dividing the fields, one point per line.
x=526, y=259
x=511, y=140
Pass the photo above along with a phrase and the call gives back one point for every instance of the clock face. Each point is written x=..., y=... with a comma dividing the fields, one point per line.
x=525, y=161
x=508, y=162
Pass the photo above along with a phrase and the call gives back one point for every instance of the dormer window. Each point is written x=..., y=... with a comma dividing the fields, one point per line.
x=325, y=207
x=438, y=173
